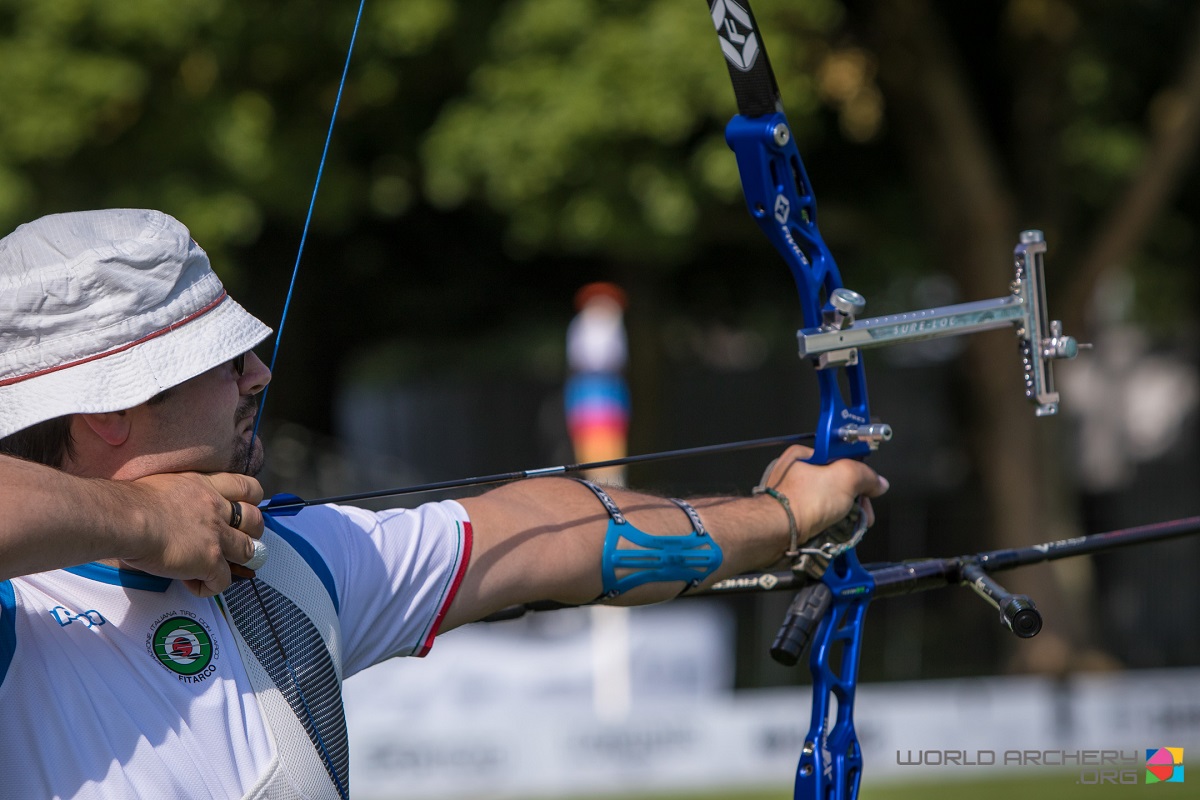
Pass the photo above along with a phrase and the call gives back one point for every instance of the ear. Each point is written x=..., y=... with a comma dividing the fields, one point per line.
x=113, y=427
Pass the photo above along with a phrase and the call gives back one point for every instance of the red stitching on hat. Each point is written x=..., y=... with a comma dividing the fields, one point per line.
x=122, y=348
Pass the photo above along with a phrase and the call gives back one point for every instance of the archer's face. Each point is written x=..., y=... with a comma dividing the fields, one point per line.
x=204, y=424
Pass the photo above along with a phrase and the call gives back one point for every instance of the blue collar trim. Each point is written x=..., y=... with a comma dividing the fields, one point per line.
x=120, y=577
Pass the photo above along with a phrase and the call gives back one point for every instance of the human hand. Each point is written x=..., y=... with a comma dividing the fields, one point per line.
x=187, y=534
x=821, y=496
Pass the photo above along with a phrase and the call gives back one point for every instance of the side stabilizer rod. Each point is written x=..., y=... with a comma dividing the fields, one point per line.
x=920, y=575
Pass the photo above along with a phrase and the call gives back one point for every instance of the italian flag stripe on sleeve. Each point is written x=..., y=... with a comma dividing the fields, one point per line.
x=464, y=558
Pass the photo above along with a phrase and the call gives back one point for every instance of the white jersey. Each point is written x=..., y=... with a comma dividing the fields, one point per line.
x=118, y=684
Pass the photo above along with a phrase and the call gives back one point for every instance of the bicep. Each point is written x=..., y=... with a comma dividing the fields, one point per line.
x=537, y=540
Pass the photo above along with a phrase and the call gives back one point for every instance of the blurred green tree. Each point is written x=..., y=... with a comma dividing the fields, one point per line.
x=493, y=156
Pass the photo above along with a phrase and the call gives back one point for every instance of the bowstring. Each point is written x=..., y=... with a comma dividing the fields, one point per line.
x=312, y=203
x=287, y=303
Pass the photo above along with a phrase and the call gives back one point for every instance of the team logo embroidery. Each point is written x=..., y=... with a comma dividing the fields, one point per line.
x=184, y=645
x=65, y=616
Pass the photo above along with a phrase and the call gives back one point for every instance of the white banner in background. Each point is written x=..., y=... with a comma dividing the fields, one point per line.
x=510, y=711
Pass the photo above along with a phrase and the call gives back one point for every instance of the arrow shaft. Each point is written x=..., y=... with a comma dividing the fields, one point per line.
x=562, y=469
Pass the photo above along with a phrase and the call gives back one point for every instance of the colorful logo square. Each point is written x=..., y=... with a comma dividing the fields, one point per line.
x=1164, y=765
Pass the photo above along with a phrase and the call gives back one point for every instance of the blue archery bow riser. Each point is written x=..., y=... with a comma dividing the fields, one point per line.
x=780, y=198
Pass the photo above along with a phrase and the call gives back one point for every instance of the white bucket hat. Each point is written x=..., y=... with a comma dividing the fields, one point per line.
x=102, y=310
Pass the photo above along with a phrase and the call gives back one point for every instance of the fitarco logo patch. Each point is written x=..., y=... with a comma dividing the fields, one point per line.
x=184, y=645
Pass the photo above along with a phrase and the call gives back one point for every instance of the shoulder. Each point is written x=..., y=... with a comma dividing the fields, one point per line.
x=345, y=545
x=322, y=523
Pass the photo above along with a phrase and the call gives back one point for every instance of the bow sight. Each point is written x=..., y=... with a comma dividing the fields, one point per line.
x=840, y=336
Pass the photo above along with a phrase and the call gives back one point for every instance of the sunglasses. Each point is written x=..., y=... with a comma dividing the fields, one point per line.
x=239, y=364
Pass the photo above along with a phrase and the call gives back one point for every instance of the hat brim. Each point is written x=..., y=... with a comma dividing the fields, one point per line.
x=130, y=376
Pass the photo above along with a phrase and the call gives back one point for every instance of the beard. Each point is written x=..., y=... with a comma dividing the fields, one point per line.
x=248, y=454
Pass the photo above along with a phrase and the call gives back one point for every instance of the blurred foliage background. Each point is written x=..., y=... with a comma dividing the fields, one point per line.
x=492, y=157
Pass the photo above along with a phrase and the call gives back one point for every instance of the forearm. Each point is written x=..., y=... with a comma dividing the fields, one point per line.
x=175, y=525
x=749, y=533
x=544, y=540
x=49, y=519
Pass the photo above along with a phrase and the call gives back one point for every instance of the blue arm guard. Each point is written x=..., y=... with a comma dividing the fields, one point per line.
x=689, y=558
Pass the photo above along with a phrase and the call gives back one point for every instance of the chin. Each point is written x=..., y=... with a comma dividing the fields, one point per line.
x=248, y=459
